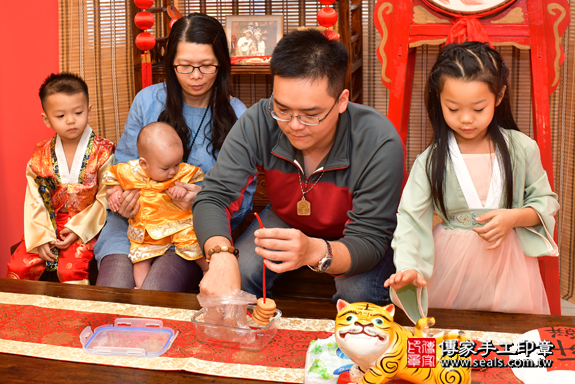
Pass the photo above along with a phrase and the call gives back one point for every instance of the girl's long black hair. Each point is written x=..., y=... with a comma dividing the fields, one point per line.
x=470, y=61
x=200, y=29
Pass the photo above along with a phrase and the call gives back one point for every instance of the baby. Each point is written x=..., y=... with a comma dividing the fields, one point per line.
x=159, y=223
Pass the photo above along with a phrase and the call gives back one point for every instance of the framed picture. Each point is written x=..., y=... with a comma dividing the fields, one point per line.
x=469, y=6
x=252, y=39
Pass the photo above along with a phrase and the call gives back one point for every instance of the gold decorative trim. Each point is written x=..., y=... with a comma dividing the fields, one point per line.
x=294, y=375
x=190, y=364
x=191, y=252
x=512, y=44
x=148, y=251
x=423, y=16
x=136, y=234
x=427, y=42
x=78, y=282
x=515, y=16
x=384, y=35
x=169, y=228
x=551, y=8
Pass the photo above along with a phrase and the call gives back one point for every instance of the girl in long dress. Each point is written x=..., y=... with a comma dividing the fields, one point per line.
x=486, y=182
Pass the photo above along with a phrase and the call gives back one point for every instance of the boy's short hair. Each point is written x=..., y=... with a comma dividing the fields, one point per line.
x=65, y=82
x=309, y=54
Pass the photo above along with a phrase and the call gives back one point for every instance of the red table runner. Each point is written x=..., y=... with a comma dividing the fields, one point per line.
x=47, y=327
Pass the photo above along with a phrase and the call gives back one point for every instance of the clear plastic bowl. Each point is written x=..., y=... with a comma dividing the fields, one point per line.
x=253, y=339
x=129, y=337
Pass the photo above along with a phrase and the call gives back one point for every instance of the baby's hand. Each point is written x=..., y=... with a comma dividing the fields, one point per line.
x=67, y=237
x=177, y=192
x=114, y=198
x=401, y=279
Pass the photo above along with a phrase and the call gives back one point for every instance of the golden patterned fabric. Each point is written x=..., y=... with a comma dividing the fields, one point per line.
x=159, y=222
x=84, y=200
x=190, y=364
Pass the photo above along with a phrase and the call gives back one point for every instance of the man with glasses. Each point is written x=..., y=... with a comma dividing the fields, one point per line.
x=333, y=170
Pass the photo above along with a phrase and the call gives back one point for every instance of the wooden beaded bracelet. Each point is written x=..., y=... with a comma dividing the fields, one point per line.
x=225, y=248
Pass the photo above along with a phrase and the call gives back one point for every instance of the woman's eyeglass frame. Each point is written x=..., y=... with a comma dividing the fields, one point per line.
x=199, y=67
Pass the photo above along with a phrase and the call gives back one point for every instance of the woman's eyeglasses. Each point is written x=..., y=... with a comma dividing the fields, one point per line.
x=186, y=69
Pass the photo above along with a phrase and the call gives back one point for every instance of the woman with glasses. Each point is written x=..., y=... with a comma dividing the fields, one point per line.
x=196, y=100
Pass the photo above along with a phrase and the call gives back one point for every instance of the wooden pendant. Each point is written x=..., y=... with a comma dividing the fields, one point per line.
x=303, y=207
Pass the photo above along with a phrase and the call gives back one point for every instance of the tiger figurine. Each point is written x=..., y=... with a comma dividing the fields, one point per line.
x=367, y=334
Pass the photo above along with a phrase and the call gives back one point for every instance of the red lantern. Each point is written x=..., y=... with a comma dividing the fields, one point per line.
x=145, y=41
x=327, y=17
x=144, y=20
x=144, y=4
x=327, y=2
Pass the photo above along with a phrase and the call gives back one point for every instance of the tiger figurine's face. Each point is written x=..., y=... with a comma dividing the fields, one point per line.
x=362, y=331
x=367, y=334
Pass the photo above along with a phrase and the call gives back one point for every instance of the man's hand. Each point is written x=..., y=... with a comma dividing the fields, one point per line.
x=185, y=203
x=401, y=279
x=222, y=277
x=289, y=246
x=67, y=237
x=45, y=253
x=499, y=223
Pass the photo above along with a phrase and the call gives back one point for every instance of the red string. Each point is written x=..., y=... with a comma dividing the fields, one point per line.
x=262, y=227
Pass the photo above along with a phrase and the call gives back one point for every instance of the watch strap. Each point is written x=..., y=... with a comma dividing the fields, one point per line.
x=328, y=256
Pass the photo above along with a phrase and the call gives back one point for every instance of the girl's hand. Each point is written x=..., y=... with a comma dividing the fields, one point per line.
x=401, y=279
x=67, y=237
x=499, y=223
x=185, y=203
x=45, y=253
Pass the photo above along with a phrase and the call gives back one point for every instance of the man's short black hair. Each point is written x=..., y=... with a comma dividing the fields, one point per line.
x=309, y=54
x=65, y=82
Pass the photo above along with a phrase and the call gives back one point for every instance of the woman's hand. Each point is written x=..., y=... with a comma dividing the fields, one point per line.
x=67, y=237
x=499, y=222
x=129, y=205
x=289, y=246
x=404, y=278
x=185, y=203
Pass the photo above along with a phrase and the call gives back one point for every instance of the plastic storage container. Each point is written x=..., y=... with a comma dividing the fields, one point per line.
x=254, y=338
x=129, y=337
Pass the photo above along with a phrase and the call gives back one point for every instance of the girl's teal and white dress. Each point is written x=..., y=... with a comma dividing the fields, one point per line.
x=460, y=271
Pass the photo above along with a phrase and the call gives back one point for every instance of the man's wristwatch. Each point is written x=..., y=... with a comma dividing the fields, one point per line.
x=324, y=264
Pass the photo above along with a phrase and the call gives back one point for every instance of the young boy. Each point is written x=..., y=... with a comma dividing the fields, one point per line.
x=159, y=223
x=65, y=205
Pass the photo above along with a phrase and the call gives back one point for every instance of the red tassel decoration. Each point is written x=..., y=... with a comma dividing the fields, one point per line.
x=146, y=69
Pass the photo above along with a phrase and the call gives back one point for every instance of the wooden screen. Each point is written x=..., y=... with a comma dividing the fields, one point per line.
x=96, y=43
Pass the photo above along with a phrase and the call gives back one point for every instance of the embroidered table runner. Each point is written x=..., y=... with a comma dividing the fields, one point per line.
x=49, y=327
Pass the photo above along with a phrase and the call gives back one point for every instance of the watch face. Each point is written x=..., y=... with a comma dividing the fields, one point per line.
x=325, y=264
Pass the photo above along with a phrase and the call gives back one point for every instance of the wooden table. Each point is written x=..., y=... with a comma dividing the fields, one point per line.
x=22, y=369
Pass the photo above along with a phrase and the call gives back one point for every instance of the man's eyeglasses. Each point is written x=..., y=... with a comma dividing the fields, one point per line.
x=304, y=119
x=186, y=69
